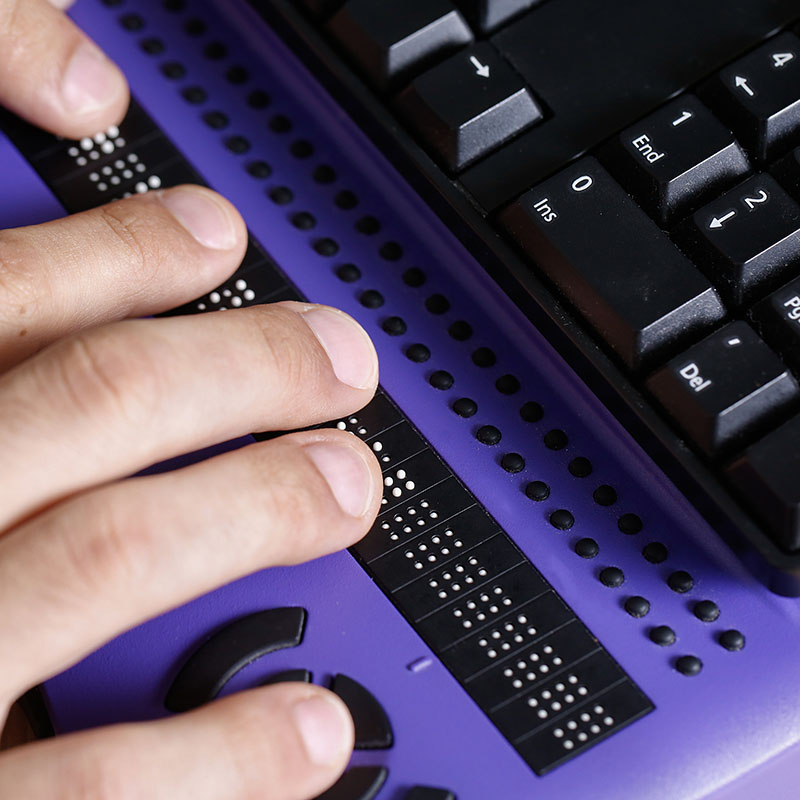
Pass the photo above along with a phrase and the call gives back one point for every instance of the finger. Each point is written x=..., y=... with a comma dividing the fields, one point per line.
x=133, y=257
x=53, y=75
x=67, y=576
x=110, y=401
x=285, y=742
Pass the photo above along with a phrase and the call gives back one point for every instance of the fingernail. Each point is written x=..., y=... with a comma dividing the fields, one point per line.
x=90, y=82
x=324, y=729
x=347, y=474
x=349, y=349
x=202, y=215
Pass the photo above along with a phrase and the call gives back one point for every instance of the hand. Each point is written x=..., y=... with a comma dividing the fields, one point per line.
x=89, y=395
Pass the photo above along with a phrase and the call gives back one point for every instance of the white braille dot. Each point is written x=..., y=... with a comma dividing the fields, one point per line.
x=140, y=167
x=582, y=737
x=547, y=649
x=530, y=676
x=572, y=725
x=533, y=702
x=341, y=426
x=517, y=684
x=458, y=612
x=467, y=624
x=154, y=182
x=106, y=170
x=410, y=485
x=127, y=174
x=507, y=673
x=362, y=431
x=107, y=147
x=94, y=155
x=401, y=474
x=396, y=492
x=388, y=481
x=94, y=177
x=201, y=306
x=86, y=143
x=572, y=679
x=582, y=690
x=557, y=661
x=594, y=729
x=541, y=713
x=115, y=181
x=608, y=720
x=120, y=142
x=556, y=706
x=598, y=709
x=236, y=302
x=568, y=745
x=101, y=187
x=113, y=131
x=119, y=164
x=569, y=698
x=214, y=297
x=141, y=188
x=544, y=668
x=558, y=733
x=100, y=138
x=81, y=162
x=546, y=695
x=132, y=158
x=73, y=151
x=377, y=446
x=585, y=717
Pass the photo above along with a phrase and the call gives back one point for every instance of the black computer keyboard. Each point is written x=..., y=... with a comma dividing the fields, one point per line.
x=630, y=173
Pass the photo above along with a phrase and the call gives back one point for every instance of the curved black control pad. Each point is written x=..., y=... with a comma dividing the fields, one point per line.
x=428, y=793
x=358, y=783
x=373, y=729
x=238, y=644
x=289, y=676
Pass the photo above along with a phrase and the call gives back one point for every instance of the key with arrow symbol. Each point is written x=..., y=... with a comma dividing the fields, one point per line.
x=718, y=222
x=480, y=69
x=741, y=83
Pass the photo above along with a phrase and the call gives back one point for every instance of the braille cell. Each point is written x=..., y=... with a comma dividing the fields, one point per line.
x=301, y=148
x=629, y=524
x=371, y=299
x=258, y=99
x=655, y=552
x=580, y=467
x=437, y=304
x=537, y=490
x=605, y=495
x=131, y=22
x=488, y=435
x=414, y=277
x=706, y=611
x=688, y=665
x=637, y=606
x=237, y=144
x=281, y=195
x=152, y=46
x=460, y=330
x=531, y=411
x=216, y=120
x=484, y=357
x=237, y=75
x=194, y=95
x=259, y=169
x=612, y=577
x=465, y=407
x=441, y=379
x=561, y=519
x=512, y=462
x=662, y=635
x=345, y=200
x=349, y=273
x=507, y=384
x=394, y=326
x=680, y=581
x=173, y=70
x=215, y=51
x=732, y=640
x=418, y=353
x=587, y=547
x=280, y=123
x=324, y=174
x=326, y=247
x=195, y=27
x=390, y=251
x=368, y=225
x=555, y=439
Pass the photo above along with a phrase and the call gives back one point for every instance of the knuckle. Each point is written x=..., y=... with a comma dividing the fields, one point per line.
x=289, y=349
x=130, y=225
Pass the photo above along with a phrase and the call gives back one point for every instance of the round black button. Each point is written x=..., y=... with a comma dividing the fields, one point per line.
x=484, y=357
x=512, y=462
x=414, y=277
x=587, y=548
x=556, y=439
x=689, y=665
x=441, y=379
x=460, y=330
x=281, y=195
x=562, y=519
x=662, y=635
x=655, y=552
x=612, y=577
x=259, y=169
x=280, y=123
x=301, y=148
x=488, y=434
x=258, y=98
x=537, y=490
x=531, y=411
x=706, y=611
x=371, y=299
x=437, y=304
x=368, y=225
x=418, y=353
x=215, y=51
x=326, y=247
x=346, y=200
x=465, y=407
x=394, y=326
x=680, y=581
x=303, y=221
x=629, y=524
x=637, y=606
x=173, y=70
x=324, y=174
x=390, y=251
x=507, y=384
x=605, y=495
x=194, y=95
x=580, y=467
x=732, y=640
x=349, y=273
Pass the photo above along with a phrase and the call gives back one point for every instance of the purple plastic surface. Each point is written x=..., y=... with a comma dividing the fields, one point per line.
x=705, y=731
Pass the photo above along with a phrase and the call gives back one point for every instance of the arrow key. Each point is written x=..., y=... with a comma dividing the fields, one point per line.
x=468, y=105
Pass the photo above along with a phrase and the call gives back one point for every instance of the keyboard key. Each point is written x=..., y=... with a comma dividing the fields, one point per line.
x=746, y=240
x=677, y=158
x=391, y=39
x=777, y=319
x=727, y=387
x=486, y=15
x=640, y=293
x=766, y=476
x=759, y=95
x=468, y=105
x=787, y=171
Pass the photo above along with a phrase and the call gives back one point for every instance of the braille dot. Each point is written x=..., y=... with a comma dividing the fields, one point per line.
x=662, y=635
x=215, y=51
x=280, y=123
x=637, y=606
x=131, y=22
x=237, y=75
x=152, y=46
x=371, y=299
x=512, y=462
x=580, y=467
x=531, y=411
x=689, y=665
x=484, y=357
x=345, y=200
x=629, y=524
x=414, y=277
x=612, y=577
x=259, y=169
x=194, y=95
x=301, y=148
x=460, y=330
x=732, y=640
x=465, y=407
x=537, y=490
x=488, y=434
x=303, y=221
x=324, y=174
x=237, y=144
x=326, y=247
x=562, y=519
x=418, y=353
x=195, y=27
x=441, y=379
x=176, y=6
x=605, y=495
x=437, y=304
x=507, y=384
x=368, y=225
x=555, y=439
x=587, y=548
x=216, y=120
x=680, y=581
x=390, y=251
x=655, y=552
x=706, y=611
x=258, y=99
x=349, y=273
x=173, y=70
x=394, y=326
x=281, y=195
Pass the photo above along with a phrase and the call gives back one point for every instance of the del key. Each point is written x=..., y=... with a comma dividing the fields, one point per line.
x=631, y=283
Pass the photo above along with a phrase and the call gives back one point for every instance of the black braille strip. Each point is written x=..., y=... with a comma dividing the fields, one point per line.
x=237, y=144
x=194, y=95
x=580, y=467
x=587, y=548
x=531, y=411
x=418, y=353
x=706, y=611
x=460, y=330
x=281, y=195
x=390, y=251
x=237, y=75
x=512, y=462
x=605, y=495
x=612, y=577
x=507, y=384
x=465, y=407
x=629, y=524
x=414, y=277
x=368, y=225
x=195, y=27
x=303, y=221
x=488, y=434
x=555, y=439
x=394, y=326
x=258, y=98
x=326, y=247
x=484, y=357
x=345, y=200
x=349, y=273
x=324, y=174
x=537, y=490
x=371, y=299
x=637, y=606
x=662, y=635
x=216, y=120
x=131, y=22
x=562, y=519
x=259, y=169
x=655, y=552
x=215, y=51
x=441, y=379
x=280, y=123
x=173, y=70
x=301, y=148
x=437, y=304
x=152, y=46
x=732, y=640
x=689, y=665
x=680, y=581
